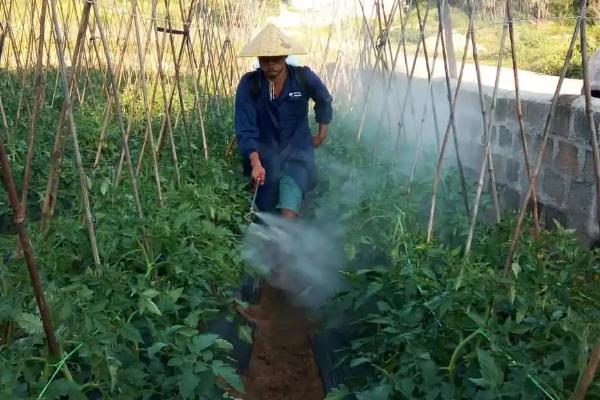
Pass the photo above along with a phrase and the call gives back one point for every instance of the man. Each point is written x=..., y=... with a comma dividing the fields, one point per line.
x=271, y=123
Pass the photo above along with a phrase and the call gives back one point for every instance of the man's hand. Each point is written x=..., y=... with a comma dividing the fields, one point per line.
x=320, y=137
x=258, y=172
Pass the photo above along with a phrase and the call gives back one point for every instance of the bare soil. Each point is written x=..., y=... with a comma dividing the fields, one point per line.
x=282, y=365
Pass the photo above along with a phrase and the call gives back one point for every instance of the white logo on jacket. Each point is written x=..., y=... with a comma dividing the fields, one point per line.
x=295, y=94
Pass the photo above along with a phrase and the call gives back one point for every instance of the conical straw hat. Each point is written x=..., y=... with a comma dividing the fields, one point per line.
x=271, y=42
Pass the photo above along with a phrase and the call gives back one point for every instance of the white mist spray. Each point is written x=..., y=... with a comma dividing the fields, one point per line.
x=302, y=259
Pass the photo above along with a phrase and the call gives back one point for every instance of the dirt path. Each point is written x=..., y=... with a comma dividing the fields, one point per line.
x=282, y=364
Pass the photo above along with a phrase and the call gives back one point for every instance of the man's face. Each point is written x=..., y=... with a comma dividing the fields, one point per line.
x=272, y=66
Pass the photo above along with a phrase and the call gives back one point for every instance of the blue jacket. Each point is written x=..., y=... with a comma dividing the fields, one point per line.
x=279, y=131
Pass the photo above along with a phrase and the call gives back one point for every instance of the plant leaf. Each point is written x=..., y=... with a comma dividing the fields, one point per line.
x=491, y=374
x=155, y=348
x=338, y=393
x=380, y=392
x=203, y=342
x=30, y=323
x=152, y=307
x=228, y=373
x=187, y=384
x=359, y=361
x=516, y=268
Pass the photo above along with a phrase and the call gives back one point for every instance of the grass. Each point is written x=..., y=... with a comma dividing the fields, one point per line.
x=541, y=46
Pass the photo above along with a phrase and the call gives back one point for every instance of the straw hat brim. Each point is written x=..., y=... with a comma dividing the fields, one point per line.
x=272, y=42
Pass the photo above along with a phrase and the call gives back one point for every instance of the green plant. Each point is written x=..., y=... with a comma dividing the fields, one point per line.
x=428, y=323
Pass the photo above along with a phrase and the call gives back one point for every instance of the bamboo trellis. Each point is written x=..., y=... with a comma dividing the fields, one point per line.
x=183, y=55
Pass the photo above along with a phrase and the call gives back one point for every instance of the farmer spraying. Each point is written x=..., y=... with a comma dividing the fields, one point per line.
x=271, y=123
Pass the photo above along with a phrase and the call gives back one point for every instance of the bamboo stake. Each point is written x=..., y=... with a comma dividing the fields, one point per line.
x=166, y=122
x=71, y=121
x=25, y=72
x=545, y=135
x=4, y=121
x=56, y=154
x=408, y=91
x=141, y=58
x=371, y=79
x=197, y=98
x=487, y=154
x=588, y=106
x=588, y=376
x=209, y=65
x=109, y=106
x=40, y=89
x=430, y=72
x=519, y=110
x=177, y=65
x=34, y=274
x=450, y=126
x=118, y=110
x=147, y=137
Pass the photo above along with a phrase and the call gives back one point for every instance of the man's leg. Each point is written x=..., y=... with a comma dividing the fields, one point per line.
x=290, y=198
x=290, y=202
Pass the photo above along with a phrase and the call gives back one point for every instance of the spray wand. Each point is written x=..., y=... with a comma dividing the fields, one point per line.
x=252, y=212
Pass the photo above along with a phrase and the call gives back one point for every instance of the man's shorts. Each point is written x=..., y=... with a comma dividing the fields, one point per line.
x=290, y=194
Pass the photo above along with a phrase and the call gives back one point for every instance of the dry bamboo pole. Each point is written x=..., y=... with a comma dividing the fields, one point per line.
x=487, y=124
x=430, y=72
x=411, y=72
x=519, y=111
x=177, y=85
x=11, y=38
x=87, y=80
x=588, y=107
x=545, y=135
x=40, y=89
x=204, y=67
x=150, y=134
x=371, y=39
x=118, y=110
x=56, y=154
x=25, y=71
x=2, y=113
x=461, y=173
x=450, y=125
x=67, y=18
x=588, y=376
x=4, y=121
x=197, y=96
x=408, y=92
x=34, y=274
x=109, y=106
x=217, y=68
x=71, y=122
x=160, y=50
x=208, y=37
x=390, y=80
x=142, y=85
x=385, y=19
x=371, y=79
x=166, y=122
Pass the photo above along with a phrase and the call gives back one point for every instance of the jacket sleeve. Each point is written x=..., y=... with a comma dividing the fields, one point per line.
x=246, y=129
x=319, y=93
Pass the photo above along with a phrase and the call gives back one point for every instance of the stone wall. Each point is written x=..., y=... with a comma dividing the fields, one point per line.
x=565, y=187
